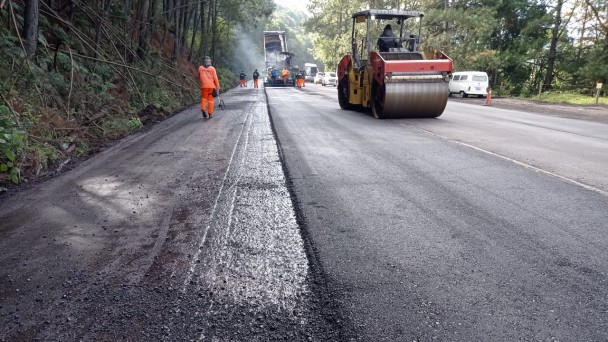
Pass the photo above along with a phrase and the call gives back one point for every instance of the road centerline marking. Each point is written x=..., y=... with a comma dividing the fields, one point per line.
x=515, y=161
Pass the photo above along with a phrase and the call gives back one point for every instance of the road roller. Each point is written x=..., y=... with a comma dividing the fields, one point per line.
x=386, y=72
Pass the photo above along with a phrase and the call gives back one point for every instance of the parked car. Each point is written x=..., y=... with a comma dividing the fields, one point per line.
x=318, y=78
x=329, y=78
x=468, y=83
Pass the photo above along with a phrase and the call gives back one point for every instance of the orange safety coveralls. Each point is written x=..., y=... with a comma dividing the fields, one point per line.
x=209, y=81
x=285, y=75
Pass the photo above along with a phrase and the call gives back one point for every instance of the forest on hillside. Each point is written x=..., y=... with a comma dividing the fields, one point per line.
x=76, y=75
x=526, y=46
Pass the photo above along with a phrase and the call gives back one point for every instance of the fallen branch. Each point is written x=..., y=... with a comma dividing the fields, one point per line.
x=64, y=163
x=141, y=97
x=71, y=81
x=94, y=118
x=118, y=38
x=128, y=67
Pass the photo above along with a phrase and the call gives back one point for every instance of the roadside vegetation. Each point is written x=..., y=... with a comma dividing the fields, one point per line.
x=569, y=98
x=76, y=75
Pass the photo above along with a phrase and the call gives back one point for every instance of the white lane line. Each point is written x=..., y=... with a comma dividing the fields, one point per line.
x=215, y=203
x=528, y=166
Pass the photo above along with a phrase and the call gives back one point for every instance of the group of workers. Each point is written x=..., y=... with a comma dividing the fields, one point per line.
x=243, y=78
x=210, y=85
x=273, y=74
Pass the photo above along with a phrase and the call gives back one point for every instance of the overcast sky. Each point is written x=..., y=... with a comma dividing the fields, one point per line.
x=299, y=4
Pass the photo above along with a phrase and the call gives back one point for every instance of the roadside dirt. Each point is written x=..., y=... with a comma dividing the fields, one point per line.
x=595, y=113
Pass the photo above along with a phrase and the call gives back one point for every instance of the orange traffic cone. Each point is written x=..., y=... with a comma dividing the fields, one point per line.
x=489, y=97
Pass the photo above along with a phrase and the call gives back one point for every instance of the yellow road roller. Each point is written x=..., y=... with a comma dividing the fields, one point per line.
x=385, y=71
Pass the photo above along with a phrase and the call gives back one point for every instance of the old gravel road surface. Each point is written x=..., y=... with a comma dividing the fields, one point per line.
x=185, y=232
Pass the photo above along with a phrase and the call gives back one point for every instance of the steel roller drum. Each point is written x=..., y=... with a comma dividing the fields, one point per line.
x=415, y=99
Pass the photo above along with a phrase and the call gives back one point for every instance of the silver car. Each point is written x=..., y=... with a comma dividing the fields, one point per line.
x=329, y=79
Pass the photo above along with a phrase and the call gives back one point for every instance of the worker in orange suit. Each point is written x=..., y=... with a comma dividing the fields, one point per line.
x=256, y=75
x=300, y=79
x=209, y=82
x=285, y=75
x=243, y=78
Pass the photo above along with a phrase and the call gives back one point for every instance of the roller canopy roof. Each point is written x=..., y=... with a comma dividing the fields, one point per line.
x=388, y=14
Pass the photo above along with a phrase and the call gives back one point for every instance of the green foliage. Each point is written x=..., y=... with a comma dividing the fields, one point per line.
x=57, y=83
x=227, y=78
x=82, y=149
x=330, y=26
x=569, y=97
x=11, y=145
x=162, y=98
x=44, y=154
x=119, y=127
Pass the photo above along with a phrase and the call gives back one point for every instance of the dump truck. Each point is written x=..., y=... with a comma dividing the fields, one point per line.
x=276, y=55
x=395, y=82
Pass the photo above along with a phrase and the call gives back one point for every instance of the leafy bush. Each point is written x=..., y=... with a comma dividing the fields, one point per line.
x=11, y=146
x=44, y=155
x=162, y=99
x=118, y=127
x=227, y=79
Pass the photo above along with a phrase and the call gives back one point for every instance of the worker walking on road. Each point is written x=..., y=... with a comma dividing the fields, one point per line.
x=209, y=84
x=299, y=79
x=243, y=78
x=256, y=75
x=274, y=74
x=285, y=75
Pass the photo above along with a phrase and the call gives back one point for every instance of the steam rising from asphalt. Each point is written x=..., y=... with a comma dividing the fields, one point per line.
x=249, y=53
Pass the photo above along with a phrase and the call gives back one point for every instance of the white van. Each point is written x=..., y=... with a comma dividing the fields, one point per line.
x=468, y=83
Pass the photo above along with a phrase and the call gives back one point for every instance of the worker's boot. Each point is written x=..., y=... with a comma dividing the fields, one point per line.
x=204, y=114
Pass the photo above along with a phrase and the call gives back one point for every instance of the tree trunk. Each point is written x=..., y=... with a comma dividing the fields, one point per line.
x=213, y=29
x=103, y=17
x=142, y=39
x=582, y=36
x=30, y=27
x=205, y=28
x=176, y=28
x=446, y=27
x=185, y=24
x=553, y=46
x=194, y=31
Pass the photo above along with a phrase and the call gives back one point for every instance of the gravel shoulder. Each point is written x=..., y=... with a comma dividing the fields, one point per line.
x=595, y=113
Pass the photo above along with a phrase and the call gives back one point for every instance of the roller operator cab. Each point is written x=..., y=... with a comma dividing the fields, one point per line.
x=385, y=71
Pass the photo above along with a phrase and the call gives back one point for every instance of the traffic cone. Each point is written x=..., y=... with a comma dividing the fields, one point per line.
x=489, y=97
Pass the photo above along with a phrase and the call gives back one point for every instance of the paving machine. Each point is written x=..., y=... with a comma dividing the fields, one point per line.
x=277, y=56
x=393, y=79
